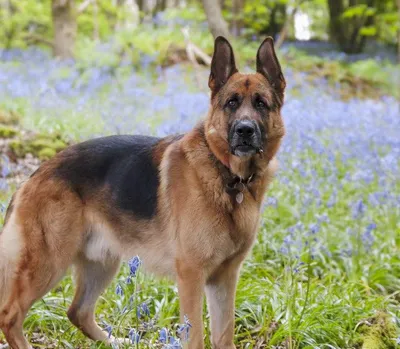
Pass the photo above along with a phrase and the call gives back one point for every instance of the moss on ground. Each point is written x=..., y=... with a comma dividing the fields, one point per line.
x=41, y=146
x=7, y=131
x=378, y=332
x=9, y=117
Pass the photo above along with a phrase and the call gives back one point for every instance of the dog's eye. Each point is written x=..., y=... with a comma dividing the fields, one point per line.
x=233, y=103
x=260, y=105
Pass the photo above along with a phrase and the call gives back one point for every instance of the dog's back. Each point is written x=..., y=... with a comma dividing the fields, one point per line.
x=124, y=165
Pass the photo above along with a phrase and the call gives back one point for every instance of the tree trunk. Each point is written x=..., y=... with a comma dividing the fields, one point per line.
x=346, y=32
x=140, y=4
x=362, y=39
x=215, y=20
x=337, y=30
x=160, y=6
x=237, y=9
x=64, y=26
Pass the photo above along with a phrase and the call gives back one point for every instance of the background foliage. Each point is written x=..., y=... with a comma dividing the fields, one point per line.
x=325, y=271
x=29, y=21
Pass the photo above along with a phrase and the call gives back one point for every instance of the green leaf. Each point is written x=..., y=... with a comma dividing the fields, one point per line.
x=368, y=31
x=359, y=11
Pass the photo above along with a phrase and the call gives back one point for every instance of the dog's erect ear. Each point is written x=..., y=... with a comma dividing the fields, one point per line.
x=268, y=65
x=222, y=65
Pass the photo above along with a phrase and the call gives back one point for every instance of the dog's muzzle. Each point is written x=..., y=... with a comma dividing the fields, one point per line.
x=245, y=138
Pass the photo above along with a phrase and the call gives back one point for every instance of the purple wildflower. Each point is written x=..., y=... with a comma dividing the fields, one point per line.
x=134, y=265
x=142, y=310
x=134, y=336
x=163, y=338
x=119, y=291
x=184, y=329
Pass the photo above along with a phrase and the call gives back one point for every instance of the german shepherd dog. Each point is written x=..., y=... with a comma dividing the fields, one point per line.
x=188, y=205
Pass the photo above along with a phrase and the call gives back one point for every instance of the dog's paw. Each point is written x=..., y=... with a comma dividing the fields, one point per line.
x=117, y=343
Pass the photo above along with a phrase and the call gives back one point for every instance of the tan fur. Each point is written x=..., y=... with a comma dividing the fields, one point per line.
x=199, y=237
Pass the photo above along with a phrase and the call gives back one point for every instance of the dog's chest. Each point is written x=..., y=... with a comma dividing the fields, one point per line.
x=227, y=233
x=245, y=218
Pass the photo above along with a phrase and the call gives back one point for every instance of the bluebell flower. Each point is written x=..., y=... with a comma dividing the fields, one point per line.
x=5, y=166
x=184, y=329
x=358, y=209
x=134, y=265
x=108, y=329
x=331, y=201
x=271, y=201
x=163, y=337
x=119, y=291
x=3, y=184
x=174, y=343
x=367, y=237
x=323, y=218
x=134, y=336
x=284, y=250
x=314, y=228
x=142, y=310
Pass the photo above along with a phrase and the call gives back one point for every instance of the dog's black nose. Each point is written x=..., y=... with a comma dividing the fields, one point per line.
x=245, y=128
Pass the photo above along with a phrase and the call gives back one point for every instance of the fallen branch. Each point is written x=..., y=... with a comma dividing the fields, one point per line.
x=201, y=54
x=191, y=55
x=193, y=50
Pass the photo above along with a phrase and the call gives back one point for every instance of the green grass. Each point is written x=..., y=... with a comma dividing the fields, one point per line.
x=322, y=303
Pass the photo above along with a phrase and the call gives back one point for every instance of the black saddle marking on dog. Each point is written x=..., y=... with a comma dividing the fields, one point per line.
x=122, y=164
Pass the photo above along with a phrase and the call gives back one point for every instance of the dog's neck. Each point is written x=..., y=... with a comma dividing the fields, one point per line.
x=234, y=185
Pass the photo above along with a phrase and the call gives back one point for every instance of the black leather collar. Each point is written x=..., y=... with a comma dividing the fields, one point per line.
x=233, y=184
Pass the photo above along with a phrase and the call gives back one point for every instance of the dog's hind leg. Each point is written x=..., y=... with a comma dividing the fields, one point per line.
x=92, y=277
x=41, y=238
x=32, y=280
x=11, y=314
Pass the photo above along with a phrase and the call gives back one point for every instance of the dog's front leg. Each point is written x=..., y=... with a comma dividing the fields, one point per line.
x=191, y=287
x=220, y=291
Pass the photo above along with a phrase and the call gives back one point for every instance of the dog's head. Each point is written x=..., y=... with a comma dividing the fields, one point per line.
x=244, y=120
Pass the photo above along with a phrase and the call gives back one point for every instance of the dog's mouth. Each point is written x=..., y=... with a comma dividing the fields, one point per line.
x=244, y=150
x=245, y=138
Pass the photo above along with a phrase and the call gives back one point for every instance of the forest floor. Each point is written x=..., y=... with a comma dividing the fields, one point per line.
x=325, y=271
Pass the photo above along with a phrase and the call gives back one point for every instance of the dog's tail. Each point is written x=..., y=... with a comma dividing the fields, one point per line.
x=10, y=246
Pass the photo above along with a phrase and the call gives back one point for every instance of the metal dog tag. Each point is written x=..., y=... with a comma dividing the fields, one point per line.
x=239, y=197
